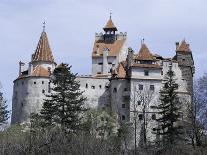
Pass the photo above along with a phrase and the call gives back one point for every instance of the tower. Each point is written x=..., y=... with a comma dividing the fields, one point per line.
x=186, y=63
x=109, y=49
x=32, y=84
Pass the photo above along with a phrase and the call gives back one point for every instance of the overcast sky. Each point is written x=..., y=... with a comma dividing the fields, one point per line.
x=71, y=26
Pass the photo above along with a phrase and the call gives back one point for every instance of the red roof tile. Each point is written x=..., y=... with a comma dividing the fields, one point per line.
x=183, y=47
x=43, y=51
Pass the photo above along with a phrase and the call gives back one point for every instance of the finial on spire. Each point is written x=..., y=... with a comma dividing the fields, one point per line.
x=44, y=26
x=110, y=14
x=142, y=41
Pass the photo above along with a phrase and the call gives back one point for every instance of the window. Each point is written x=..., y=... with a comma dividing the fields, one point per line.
x=34, y=82
x=153, y=117
x=22, y=82
x=146, y=73
x=100, y=86
x=43, y=91
x=115, y=90
x=123, y=105
x=140, y=116
x=140, y=87
x=183, y=59
x=22, y=104
x=123, y=117
x=93, y=87
x=153, y=129
x=86, y=85
x=42, y=82
x=152, y=87
x=125, y=89
x=110, y=63
x=161, y=72
x=98, y=72
x=100, y=63
x=139, y=102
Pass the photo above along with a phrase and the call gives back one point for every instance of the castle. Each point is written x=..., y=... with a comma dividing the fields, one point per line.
x=123, y=80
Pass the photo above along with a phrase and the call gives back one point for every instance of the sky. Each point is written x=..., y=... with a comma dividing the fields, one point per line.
x=71, y=26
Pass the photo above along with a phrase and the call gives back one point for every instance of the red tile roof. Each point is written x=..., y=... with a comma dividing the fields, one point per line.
x=144, y=53
x=114, y=47
x=40, y=71
x=183, y=47
x=43, y=51
x=110, y=25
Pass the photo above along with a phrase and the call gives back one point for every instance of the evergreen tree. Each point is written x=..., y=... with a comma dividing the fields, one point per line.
x=168, y=108
x=4, y=113
x=63, y=107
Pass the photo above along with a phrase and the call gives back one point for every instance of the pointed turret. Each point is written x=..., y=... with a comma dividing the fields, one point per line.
x=110, y=27
x=144, y=53
x=43, y=51
x=183, y=47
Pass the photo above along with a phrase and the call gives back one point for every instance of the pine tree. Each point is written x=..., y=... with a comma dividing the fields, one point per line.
x=63, y=107
x=4, y=113
x=168, y=126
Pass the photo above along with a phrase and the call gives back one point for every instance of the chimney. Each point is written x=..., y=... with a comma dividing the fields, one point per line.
x=105, y=61
x=30, y=68
x=177, y=45
x=20, y=67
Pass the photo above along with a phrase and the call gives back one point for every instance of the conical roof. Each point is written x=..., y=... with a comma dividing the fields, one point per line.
x=43, y=51
x=144, y=53
x=110, y=26
x=183, y=47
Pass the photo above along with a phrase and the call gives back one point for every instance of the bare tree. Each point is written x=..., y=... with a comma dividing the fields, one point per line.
x=141, y=99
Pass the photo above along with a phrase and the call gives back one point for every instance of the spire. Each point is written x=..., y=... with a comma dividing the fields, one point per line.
x=110, y=25
x=144, y=53
x=183, y=47
x=43, y=51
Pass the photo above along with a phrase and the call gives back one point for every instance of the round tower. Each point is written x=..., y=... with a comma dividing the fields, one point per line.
x=33, y=82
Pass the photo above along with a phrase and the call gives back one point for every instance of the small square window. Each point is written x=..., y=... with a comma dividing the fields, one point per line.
x=43, y=91
x=100, y=86
x=152, y=87
x=140, y=116
x=123, y=117
x=146, y=73
x=153, y=117
x=100, y=63
x=115, y=90
x=98, y=72
x=93, y=87
x=140, y=87
x=139, y=102
x=42, y=82
x=123, y=105
x=86, y=85
x=125, y=89
x=34, y=82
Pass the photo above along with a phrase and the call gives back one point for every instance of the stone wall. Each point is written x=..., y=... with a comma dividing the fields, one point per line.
x=28, y=97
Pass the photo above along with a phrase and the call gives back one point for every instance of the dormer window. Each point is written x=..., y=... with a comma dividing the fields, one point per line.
x=146, y=73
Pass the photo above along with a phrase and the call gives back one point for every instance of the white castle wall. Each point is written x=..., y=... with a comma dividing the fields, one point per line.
x=28, y=97
x=120, y=95
x=138, y=73
x=96, y=90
